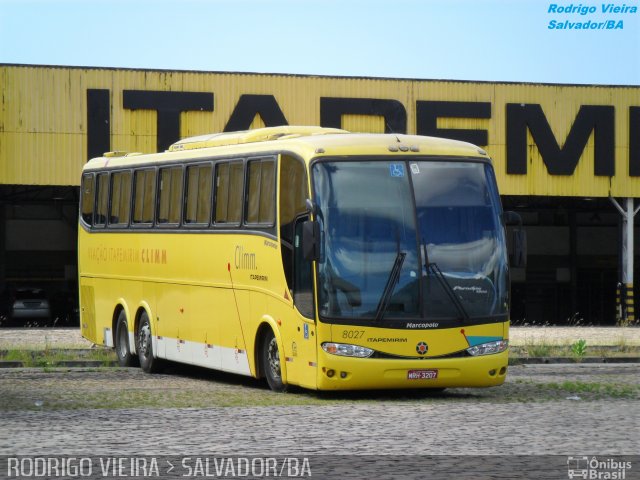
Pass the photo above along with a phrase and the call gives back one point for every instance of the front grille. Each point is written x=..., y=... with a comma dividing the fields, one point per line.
x=460, y=354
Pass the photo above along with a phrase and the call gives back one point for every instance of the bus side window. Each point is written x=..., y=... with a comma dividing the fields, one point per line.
x=229, y=193
x=205, y=190
x=120, y=198
x=87, y=199
x=144, y=182
x=170, y=196
x=102, y=199
x=261, y=207
x=197, y=209
x=236, y=194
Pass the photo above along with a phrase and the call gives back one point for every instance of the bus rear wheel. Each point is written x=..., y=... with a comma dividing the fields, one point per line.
x=148, y=362
x=125, y=357
x=270, y=357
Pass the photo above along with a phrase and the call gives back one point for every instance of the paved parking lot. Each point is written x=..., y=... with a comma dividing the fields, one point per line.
x=526, y=428
x=563, y=428
x=519, y=418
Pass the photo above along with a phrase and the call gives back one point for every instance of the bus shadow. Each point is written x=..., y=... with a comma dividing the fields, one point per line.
x=410, y=395
x=207, y=374
x=235, y=380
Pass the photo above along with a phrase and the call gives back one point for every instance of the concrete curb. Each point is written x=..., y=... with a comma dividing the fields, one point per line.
x=70, y=337
x=571, y=360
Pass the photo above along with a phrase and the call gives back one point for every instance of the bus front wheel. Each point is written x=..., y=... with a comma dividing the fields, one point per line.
x=148, y=362
x=271, y=362
x=125, y=357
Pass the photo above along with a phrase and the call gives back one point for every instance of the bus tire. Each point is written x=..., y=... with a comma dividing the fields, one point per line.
x=148, y=362
x=125, y=357
x=270, y=359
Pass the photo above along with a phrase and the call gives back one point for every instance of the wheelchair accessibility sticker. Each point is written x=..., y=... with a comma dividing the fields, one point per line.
x=396, y=170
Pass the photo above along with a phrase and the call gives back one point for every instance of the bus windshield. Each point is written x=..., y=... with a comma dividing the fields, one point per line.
x=410, y=240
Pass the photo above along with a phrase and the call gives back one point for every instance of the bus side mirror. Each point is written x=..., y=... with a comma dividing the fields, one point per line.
x=311, y=240
x=512, y=218
x=518, y=254
x=519, y=248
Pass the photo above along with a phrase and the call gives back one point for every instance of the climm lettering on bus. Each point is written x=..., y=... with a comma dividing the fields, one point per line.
x=244, y=260
x=560, y=156
x=154, y=255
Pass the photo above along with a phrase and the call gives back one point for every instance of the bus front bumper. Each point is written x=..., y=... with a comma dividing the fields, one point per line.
x=348, y=373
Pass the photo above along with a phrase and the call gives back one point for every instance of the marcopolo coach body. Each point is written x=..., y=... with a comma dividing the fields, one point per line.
x=309, y=256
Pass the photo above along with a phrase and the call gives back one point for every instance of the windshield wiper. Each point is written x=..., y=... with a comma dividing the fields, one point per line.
x=444, y=283
x=446, y=286
x=394, y=277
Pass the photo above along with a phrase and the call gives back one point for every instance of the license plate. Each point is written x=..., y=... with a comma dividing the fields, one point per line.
x=422, y=374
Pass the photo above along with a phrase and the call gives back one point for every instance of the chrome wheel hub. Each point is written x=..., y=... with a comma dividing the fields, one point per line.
x=144, y=342
x=274, y=358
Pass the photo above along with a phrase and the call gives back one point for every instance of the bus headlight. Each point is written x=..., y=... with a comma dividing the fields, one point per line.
x=346, y=350
x=488, y=348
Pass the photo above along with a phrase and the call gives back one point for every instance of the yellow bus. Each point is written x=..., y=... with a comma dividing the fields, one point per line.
x=303, y=255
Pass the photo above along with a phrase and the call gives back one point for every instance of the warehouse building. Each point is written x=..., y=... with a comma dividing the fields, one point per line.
x=567, y=158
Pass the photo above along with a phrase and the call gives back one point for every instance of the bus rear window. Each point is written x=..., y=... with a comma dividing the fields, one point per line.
x=87, y=198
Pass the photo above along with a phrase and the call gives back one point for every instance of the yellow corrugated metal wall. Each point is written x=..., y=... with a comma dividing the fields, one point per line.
x=43, y=123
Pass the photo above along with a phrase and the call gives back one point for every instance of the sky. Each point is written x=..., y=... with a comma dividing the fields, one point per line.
x=487, y=40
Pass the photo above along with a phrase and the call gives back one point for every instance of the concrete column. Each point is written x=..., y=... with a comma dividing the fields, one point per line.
x=625, y=298
x=573, y=260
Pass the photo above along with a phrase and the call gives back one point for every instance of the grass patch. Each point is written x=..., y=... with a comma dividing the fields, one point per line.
x=530, y=390
x=597, y=389
x=118, y=388
x=538, y=350
x=623, y=346
x=50, y=358
x=576, y=351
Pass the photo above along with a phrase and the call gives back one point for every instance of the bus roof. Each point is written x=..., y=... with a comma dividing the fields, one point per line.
x=305, y=141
